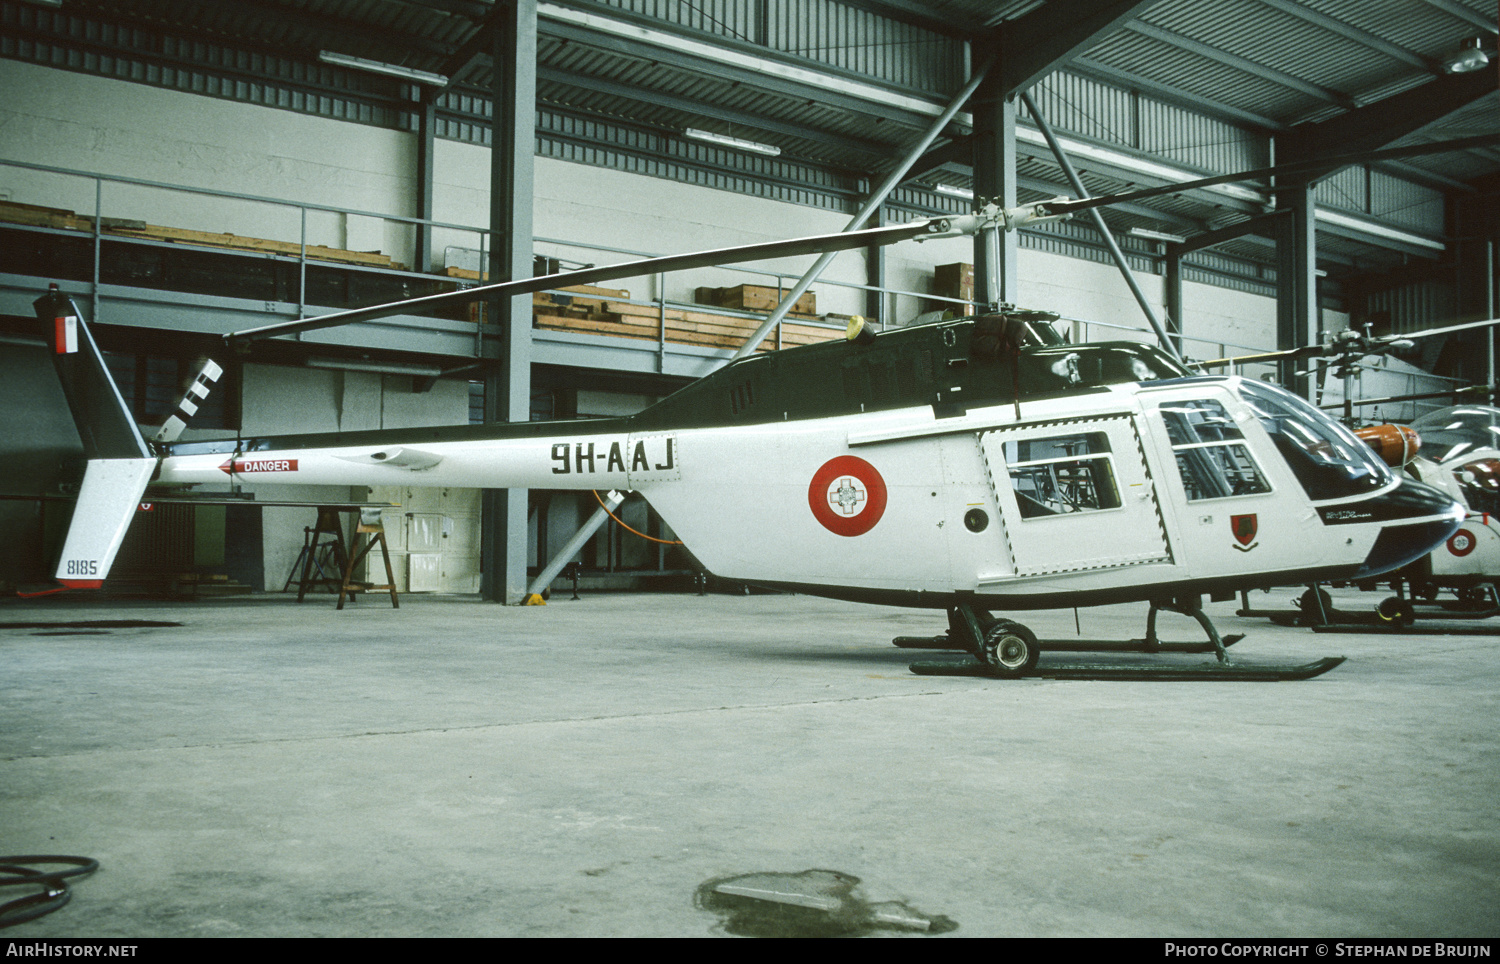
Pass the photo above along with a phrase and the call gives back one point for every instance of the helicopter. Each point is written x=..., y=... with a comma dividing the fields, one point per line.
x=1453, y=449
x=1463, y=459
x=967, y=465
x=1456, y=450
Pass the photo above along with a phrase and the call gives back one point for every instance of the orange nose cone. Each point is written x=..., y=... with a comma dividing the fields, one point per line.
x=1395, y=444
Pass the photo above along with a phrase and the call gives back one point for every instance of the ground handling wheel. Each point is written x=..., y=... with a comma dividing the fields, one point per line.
x=1010, y=649
x=1477, y=597
x=1397, y=611
x=1315, y=605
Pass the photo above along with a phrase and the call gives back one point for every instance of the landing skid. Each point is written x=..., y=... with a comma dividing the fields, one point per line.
x=1006, y=649
x=1076, y=645
x=1392, y=629
x=1209, y=672
x=1396, y=613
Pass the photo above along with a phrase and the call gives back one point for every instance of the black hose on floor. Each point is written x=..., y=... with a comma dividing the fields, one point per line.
x=53, y=894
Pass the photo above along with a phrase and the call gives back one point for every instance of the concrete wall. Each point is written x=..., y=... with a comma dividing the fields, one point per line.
x=77, y=121
x=89, y=123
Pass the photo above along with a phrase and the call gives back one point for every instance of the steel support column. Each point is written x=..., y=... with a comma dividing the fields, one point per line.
x=426, y=153
x=875, y=276
x=1297, y=284
x=997, y=274
x=508, y=386
x=1172, y=293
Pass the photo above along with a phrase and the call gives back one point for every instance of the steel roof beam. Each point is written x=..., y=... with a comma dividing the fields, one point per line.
x=1265, y=226
x=200, y=59
x=1383, y=122
x=920, y=15
x=1350, y=32
x=329, y=29
x=804, y=82
x=1409, y=172
x=672, y=102
x=473, y=51
x=1089, y=67
x=1218, y=56
x=475, y=10
x=1047, y=38
x=959, y=150
x=1455, y=9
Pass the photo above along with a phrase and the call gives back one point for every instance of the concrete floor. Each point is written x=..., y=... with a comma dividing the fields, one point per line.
x=584, y=768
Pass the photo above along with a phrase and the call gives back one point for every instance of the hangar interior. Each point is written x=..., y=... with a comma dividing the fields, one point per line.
x=184, y=169
x=242, y=762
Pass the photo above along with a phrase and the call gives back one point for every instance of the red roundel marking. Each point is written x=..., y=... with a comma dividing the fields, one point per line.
x=847, y=496
x=1462, y=542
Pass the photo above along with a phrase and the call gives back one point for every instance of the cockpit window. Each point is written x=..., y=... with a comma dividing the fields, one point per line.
x=1326, y=458
x=1212, y=456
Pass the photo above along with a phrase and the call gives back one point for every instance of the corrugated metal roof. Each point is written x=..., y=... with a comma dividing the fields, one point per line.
x=1201, y=85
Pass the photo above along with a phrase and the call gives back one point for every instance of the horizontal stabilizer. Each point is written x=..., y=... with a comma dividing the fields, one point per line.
x=107, y=503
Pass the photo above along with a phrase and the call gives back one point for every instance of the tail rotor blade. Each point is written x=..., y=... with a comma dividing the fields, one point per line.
x=201, y=385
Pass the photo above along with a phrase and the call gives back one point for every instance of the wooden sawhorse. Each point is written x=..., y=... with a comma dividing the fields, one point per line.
x=313, y=545
x=369, y=524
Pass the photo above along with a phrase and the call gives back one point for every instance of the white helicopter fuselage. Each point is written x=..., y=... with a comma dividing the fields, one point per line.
x=1471, y=555
x=1090, y=495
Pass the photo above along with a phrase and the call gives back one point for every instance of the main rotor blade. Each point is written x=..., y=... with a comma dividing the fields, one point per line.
x=1293, y=167
x=1429, y=332
x=1269, y=356
x=1362, y=347
x=761, y=251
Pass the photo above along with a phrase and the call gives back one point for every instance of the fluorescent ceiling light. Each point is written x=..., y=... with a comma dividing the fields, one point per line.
x=1165, y=173
x=952, y=191
x=383, y=368
x=378, y=67
x=1378, y=230
x=1151, y=235
x=744, y=61
x=736, y=143
x=1470, y=56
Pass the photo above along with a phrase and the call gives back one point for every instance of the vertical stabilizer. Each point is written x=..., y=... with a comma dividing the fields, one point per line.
x=105, y=425
x=119, y=462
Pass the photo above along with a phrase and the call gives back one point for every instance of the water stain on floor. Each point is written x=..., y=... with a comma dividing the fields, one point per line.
x=811, y=903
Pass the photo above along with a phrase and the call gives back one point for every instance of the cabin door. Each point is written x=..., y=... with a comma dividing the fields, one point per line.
x=1075, y=494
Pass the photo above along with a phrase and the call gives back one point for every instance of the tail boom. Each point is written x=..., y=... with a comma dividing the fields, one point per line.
x=588, y=460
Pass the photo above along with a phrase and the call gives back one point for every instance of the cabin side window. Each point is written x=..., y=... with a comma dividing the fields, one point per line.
x=1211, y=453
x=1061, y=475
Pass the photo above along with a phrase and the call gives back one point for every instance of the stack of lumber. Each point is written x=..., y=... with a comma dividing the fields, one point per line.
x=706, y=328
x=35, y=216
x=584, y=309
x=587, y=309
x=756, y=298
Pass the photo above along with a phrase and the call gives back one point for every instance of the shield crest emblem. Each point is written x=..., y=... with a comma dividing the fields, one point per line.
x=1244, y=528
